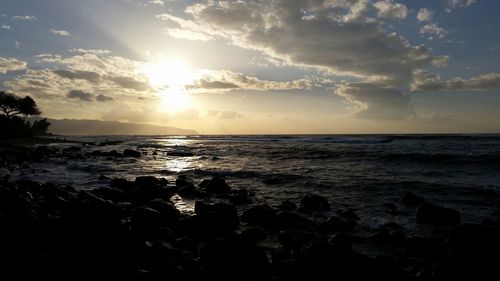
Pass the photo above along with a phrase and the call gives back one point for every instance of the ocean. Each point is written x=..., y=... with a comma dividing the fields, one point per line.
x=365, y=173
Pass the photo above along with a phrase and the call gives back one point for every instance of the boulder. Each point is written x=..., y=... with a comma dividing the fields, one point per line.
x=131, y=153
x=428, y=213
x=410, y=199
x=313, y=202
x=258, y=214
x=215, y=185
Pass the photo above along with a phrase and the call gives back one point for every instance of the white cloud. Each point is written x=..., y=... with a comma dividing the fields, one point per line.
x=224, y=80
x=425, y=15
x=27, y=18
x=454, y=4
x=425, y=81
x=389, y=9
x=433, y=29
x=17, y=44
x=60, y=32
x=4, y=26
x=180, y=33
x=375, y=100
x=11, y=64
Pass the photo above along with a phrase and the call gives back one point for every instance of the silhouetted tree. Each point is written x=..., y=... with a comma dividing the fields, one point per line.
x=40, y=127
x=12, y=125
x=12, y=105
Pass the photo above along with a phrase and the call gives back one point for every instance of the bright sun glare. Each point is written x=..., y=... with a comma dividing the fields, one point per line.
x=170, y=77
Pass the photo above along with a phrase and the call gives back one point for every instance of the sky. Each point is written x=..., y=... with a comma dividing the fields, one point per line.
x=259, y=66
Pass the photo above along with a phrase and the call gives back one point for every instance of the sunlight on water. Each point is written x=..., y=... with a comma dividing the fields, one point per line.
x=179, y=165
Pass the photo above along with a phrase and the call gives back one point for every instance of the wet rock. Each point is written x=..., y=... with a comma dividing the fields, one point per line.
x=131, y=153
x=185, y=187
x=180, y=153
x=411, y=199
x=145, y=220
x=258, y=214
x=103, y=178
x=313, y=202
x=389, y=234
x=253, y=235
x=31, y=186
x=287, y=206
x=290, y=220
x=348, y=214
x=239, y=197
x=428, y=213
x=341, y=241
x=471, y=254
x=121, y=183
x=218, y=212
x=293, y=240
x=230, y=259
x=113, y=194
x=215, y=185
x=337, y=224
x=150, y=188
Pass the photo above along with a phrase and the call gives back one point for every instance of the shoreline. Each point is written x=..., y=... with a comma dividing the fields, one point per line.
x=132, y=230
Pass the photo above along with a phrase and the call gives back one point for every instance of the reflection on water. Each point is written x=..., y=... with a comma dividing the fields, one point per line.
x=179, y=164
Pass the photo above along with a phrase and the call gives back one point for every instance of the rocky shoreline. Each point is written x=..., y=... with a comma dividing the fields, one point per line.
x=132, y=230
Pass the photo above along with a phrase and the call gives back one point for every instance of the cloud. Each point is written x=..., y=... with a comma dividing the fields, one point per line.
x=208, y=85
x=78, y=74
x=81, y=95
x=131, y=83
x=27, y=18
x=389, y=9
x=11, y=64
x=17, y=44
x=180, y=33
x=103, y=98
x=223, y=80
x=376, y=100
x=86, y=51
x=428, y=82
x=433, y=29
x=4, y=26
x=88, y=71
x=60, y=32
x=454, y=4
x=425, y=15
x=335, y=35
x=224, y=115
x=186, y=29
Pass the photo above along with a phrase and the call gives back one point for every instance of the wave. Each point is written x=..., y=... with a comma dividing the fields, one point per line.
x=490, y=158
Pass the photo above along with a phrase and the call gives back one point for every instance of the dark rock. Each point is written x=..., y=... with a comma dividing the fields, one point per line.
x=341, y=241
x=471, y=254
x=145, y=220
x=150, y=188
x=185, y=187
x=389, y=234
x=313, y=202
x=411, y=199
x=348, y=214
x=258, y=214
x=113, y=194
x=72, y=149
x=290, y=220
x=122, y=184
x=179, y=153
x=131, y=153
x=31, y=186
x=239, y=197
x=230, y=259
x=103, y=178
x=215, y=185
x=287, y=206
x=293, y=240
x=337, y=224
x=437, y=215
x=218, y=212
x=253, y=235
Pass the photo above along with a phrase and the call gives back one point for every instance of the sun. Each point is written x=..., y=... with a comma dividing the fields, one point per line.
x=170, y=78
x=169, y=73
